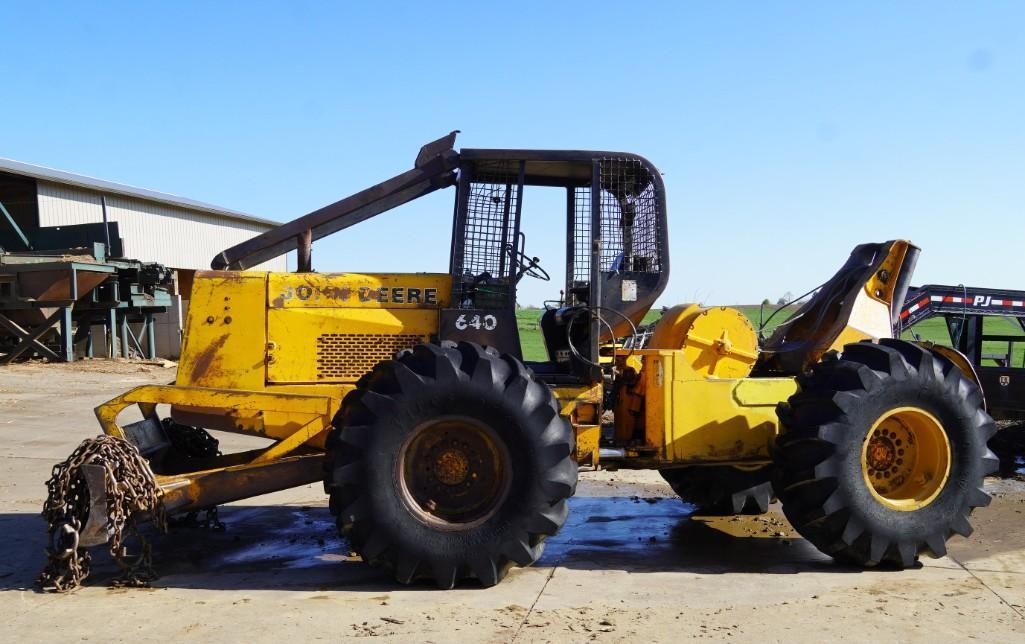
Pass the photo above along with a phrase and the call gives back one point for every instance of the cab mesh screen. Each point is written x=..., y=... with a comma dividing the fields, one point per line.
x=629, y=217
x=486, y=265
x=629, y=221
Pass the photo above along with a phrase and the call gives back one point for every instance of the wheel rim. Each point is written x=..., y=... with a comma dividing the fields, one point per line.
x=454, y=472
x=906, y=459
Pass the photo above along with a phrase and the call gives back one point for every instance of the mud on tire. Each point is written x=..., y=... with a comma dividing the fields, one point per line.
x=450, y=462
x=823, y=471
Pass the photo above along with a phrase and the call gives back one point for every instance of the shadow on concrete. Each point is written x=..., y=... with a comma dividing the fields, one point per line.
x=298, y=548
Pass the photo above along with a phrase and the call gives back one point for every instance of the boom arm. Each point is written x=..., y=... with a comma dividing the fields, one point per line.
x=435, y=168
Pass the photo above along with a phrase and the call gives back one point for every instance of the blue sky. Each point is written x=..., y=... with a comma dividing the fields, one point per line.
x=787, y=132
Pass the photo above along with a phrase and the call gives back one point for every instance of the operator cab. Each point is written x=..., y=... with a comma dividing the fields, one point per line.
x=616, y=259
x=616, y=264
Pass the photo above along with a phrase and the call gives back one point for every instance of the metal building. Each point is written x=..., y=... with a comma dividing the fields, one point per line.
x=180, y=233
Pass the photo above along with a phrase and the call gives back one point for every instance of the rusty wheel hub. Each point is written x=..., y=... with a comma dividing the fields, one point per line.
x=882, y=453
x=454, y=471
x=885, y=456
x=452, y=467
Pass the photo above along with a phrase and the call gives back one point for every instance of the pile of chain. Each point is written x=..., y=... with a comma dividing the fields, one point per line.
x=193, y=442
x=131, y=490
x=190, y=441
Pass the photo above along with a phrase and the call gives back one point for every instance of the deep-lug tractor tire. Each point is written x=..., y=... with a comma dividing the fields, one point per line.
x=450, y=462
x=722, y=490
x=883, y=454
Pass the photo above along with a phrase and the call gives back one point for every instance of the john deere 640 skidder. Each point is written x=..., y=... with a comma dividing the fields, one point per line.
x=447, y=456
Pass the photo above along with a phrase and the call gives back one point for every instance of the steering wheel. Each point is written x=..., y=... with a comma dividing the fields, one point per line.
x=526, y=265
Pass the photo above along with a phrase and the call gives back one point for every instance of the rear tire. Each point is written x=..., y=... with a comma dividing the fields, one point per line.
x=883, y=454
x=450, y=462
x=722, y=490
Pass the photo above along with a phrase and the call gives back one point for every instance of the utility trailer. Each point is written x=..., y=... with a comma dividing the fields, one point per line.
x=987, y=327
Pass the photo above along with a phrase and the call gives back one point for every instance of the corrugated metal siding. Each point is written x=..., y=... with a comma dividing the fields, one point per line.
x=152, y=232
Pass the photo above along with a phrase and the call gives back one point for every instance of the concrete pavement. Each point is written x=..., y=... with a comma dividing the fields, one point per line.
x=632, y=564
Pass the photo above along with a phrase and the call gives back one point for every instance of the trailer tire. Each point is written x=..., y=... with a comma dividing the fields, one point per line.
x=722, y=490
x=883, y=454
x=450, y=462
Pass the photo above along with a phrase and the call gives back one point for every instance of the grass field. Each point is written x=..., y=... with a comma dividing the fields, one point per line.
x=935, y=330
x=932, y=330
x=534, y=348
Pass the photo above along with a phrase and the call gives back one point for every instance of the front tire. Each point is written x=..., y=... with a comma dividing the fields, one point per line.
x=450, y=462
x=883, y=454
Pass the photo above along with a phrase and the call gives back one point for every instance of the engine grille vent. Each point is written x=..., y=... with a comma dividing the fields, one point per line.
x=347, y=356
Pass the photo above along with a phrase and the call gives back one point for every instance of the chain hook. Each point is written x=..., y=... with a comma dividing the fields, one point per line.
x=64, y=540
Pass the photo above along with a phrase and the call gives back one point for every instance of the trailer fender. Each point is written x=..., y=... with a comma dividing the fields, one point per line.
x=960, y=360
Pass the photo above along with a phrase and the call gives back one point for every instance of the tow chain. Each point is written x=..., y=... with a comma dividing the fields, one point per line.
x=131, y=491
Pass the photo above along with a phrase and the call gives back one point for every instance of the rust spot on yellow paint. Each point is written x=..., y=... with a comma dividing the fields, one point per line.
x=206, y=358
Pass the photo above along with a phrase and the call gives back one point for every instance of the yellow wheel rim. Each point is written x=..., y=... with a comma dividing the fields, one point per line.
x=906, y=459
